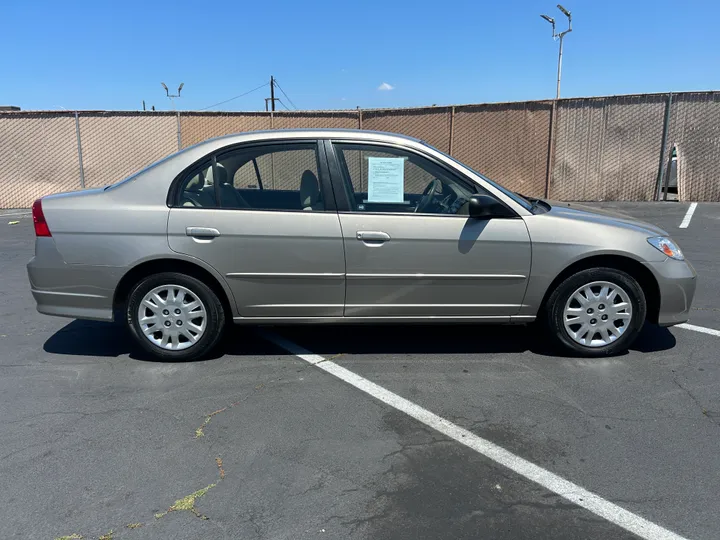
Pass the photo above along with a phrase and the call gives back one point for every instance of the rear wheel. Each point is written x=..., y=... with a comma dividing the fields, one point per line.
x=596, y=312
x=175, y=317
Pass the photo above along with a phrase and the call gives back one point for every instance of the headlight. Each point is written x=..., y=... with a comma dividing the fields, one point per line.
x=667, y=246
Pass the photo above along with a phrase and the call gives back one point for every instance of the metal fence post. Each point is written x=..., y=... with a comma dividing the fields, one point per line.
x=551, y=148
x=272, y=125
x=79, y=148
x=452, y=129
x=362, y=162
x=663, y=144
x=179, y=133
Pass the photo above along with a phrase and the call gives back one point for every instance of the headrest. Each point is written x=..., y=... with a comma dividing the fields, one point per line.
x=309, y=189
x=222, y=175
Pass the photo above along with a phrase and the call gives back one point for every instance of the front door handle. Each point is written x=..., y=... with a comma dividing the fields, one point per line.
x=372, y=236
x=202, y=232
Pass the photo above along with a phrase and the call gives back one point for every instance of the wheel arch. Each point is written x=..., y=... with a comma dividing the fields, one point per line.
x=646, y=279
x=169, y=264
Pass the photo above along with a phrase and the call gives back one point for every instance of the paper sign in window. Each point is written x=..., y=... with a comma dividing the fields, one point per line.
x=386, y=180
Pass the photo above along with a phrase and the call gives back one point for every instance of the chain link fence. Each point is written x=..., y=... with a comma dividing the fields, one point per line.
x=694, y=130
x=607, y=148
x=115, y=145
x=507, y=142
x=38, y=155
x=602, y=148
x=196, y=127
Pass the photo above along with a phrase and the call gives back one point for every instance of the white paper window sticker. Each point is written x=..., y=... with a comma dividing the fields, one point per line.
x=386, y=180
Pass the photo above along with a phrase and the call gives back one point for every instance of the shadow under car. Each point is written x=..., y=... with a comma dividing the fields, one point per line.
x=102, y=339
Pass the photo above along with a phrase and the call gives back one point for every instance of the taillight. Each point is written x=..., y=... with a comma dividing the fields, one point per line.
x=41, y=226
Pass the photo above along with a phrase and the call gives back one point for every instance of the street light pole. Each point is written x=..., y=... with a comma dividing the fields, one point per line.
x=557, y=92
x=170, y=96
x=561, y=35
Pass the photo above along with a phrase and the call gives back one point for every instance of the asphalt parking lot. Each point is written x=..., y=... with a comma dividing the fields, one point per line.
x=261, y=443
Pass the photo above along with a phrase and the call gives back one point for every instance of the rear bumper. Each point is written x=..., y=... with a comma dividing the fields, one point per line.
x=74, y=305
x=70, y=290
x=677, y=281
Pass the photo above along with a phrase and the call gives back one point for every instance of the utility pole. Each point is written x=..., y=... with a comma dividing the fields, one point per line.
x=272, y=99
x=561, y=35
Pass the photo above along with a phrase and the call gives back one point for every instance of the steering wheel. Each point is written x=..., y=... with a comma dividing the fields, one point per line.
x=432, y=189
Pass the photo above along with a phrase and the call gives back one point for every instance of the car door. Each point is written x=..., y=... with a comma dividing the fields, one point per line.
x=263, y=215
x=410, y=248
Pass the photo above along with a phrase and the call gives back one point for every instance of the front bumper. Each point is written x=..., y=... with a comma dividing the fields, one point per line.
x=70, y=290
x=677, y=281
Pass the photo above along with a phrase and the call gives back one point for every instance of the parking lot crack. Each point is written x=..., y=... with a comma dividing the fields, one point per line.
x=408, y=446
x=594, y=416
x=707, y=414
x=200, y=431
x=559, y=505
x=187, y=503
x=359, y=522
x=255, y=520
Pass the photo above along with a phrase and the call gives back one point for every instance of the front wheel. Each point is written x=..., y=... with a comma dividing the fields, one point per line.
x=596, y=312
x=174, y=316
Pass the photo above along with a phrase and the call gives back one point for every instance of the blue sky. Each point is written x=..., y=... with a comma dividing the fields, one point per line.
x=335, y=54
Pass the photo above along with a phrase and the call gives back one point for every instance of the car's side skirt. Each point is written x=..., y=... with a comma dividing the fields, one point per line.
x=514, y=319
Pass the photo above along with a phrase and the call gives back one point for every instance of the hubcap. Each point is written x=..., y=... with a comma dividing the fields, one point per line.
x=597, y=314
x=172, y=317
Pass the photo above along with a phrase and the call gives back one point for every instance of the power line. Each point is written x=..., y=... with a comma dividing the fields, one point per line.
x=280, y=100
x=236, y=97
x=284, y=94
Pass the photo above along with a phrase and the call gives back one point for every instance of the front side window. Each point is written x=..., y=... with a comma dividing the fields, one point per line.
x=388, y=179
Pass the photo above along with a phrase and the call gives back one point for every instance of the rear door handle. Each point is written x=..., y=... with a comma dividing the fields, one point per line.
x=372, y=236
x=202, y=232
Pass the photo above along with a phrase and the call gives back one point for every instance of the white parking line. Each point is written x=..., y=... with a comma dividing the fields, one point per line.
x=566, y=489
x=688, y=216
x=702, y=329
x=17, y=214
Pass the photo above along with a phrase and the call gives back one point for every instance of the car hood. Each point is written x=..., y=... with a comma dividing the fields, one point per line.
x=579, y=212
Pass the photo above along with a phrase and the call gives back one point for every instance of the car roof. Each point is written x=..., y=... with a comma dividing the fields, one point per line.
x=320, y=133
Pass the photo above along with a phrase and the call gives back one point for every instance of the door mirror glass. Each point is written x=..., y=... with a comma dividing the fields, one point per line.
x=486, y=207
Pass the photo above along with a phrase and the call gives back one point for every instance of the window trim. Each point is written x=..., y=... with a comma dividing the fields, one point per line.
x=173, y=197
x=340, y=181
x=197, y=167
x=257, y=173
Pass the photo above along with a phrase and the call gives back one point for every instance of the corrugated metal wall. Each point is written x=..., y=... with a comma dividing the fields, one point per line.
x=604, y=148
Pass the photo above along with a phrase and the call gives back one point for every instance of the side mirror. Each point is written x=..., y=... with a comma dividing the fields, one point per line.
x=486, y=207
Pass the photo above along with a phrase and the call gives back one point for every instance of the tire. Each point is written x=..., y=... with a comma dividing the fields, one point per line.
x=188, y=324
x=603, y=338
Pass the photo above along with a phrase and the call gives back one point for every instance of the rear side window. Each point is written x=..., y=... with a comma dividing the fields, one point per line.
x=272, y=177
x=197, y=189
